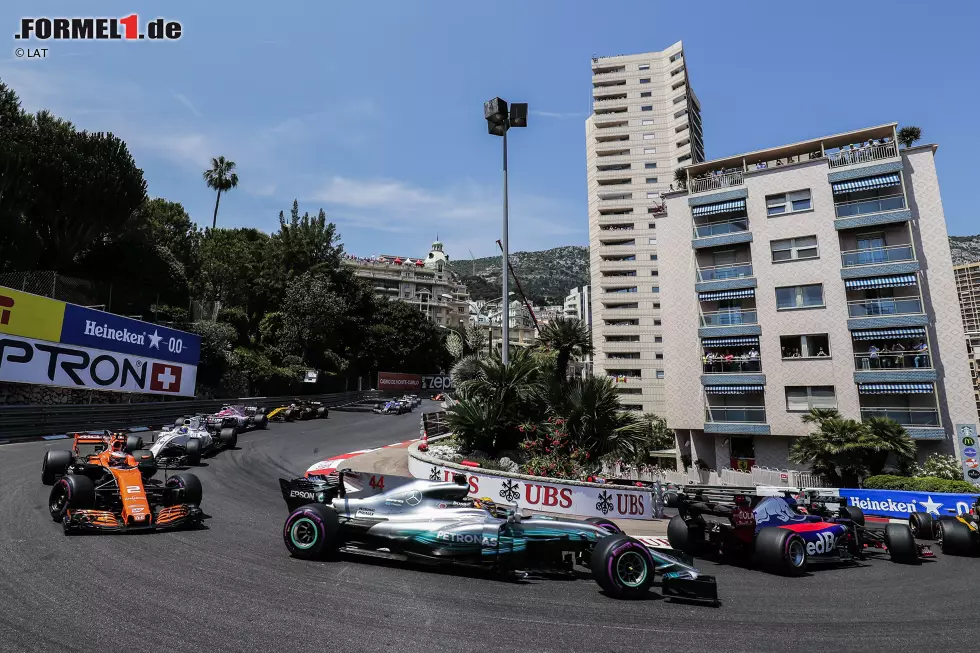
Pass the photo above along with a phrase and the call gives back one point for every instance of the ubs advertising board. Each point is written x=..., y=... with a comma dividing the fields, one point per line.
x=48, y=342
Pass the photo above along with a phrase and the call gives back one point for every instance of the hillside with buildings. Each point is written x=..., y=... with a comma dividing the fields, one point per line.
x=545, y=276
x=965, y=249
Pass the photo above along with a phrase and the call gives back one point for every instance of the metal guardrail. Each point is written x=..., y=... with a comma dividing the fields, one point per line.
x=435, y=424
x=37, y=421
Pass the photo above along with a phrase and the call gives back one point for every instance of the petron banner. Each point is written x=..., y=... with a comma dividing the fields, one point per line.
x=967, y=434
x=613, y=501
x=896, y=503
x=49, y=342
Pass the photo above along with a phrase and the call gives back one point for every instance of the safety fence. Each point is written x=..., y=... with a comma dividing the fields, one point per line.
x=39, y=421
x=435, y=424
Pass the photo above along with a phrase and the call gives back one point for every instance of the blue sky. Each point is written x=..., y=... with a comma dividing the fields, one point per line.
x=373, y=110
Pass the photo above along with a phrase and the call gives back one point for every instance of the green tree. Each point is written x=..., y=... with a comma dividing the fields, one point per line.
x=167, y=224
x=569, y=338
x=312, y=321
x=308, y=243
x=680, y=178
x=402, y=338
x=220, y=177
x=909, y=135
x=886, y=440
x=230, y=262
x=942, y=466
x=62, y=190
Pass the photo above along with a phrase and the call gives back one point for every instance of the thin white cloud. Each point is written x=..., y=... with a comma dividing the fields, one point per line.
x=556, y=114
x=180, y=97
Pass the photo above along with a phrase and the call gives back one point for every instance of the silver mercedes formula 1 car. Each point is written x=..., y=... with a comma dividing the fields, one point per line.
x=437, y=523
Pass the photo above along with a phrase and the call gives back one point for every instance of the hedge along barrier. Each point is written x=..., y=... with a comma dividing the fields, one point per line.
x=543, y=494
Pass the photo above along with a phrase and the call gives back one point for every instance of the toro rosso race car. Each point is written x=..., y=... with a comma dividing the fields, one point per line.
x=103, y=483
x=300, y=409
x=956, y=534
x=776, y=533
x=186, y=443
x=437, y=523
x=240, y=418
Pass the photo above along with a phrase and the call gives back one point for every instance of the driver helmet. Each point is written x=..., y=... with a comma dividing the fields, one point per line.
x=183, y=429
x=117, y=458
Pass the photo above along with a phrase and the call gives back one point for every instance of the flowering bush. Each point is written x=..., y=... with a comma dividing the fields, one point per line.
x=551, y=452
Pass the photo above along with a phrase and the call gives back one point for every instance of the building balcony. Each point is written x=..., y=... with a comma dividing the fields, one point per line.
x=608, y=108
x=852, y=157
x=733, y=367
x=724, y=272
x=737, y=414
x=721, y=228
x=907, y=417
x=865, y=308
x=729, y=318
x=877, y=256
x=717, y=182
x=900, y=361
x=883, y=204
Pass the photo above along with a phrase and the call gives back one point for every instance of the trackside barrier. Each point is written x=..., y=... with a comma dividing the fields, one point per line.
x=757, y=476
x=543, y=494
x=39, y=421
x=901, y=504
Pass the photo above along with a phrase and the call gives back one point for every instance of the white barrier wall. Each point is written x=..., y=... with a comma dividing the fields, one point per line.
x=540, y=494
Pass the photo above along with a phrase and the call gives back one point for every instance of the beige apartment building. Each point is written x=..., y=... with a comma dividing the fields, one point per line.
x=968, y=289
x=426, y=282
x=645, y=123
x=811, y=275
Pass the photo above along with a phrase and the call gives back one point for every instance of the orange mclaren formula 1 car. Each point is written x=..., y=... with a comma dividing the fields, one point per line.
x=105, y=483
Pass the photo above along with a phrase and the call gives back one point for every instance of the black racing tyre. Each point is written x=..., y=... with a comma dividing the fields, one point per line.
x=228, y=437
x=146, y=462
x=605, y=523
x=622, y=566
x=780, y=551
x=321, y=412
x=287, y=415
x=261, y=421
x=184, y=488
x=686, y=537
x=901, y=544
x=312, y=532
x=55, y=464
x=921, y=524
x=192, y=451
x=853, y=513
x=133, y=443
x=956, y=539
x=71, y=493
x=671, y=500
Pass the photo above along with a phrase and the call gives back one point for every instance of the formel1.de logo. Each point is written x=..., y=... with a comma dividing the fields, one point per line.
x=127, y=28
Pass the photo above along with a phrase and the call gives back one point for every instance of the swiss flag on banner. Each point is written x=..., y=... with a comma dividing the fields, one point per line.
x=165, y=377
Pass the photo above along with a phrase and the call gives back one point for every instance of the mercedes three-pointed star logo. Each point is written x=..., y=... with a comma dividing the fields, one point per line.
x=414, y=498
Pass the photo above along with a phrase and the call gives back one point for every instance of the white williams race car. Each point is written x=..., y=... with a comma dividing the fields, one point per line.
x=185, y=444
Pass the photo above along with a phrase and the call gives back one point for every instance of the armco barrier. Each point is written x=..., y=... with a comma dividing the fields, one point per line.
x=901, y=504
x=37, y=421
x=543, y=494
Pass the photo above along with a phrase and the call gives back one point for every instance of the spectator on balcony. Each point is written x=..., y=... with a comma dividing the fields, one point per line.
x=797, y=354
x=753, y=354
x=873, y=355
x=898, y=353
x=920, y=359
x=821, y=352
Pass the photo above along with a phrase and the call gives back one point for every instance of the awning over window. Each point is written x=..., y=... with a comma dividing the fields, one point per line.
x=868, y=183
x=741, y=341
x=895, y=388
x=889, y=334
x=893, y=281
x=726, y=294
x=732, y=389
x=719, y=207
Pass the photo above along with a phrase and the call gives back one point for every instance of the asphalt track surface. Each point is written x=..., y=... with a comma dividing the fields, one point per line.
x=232, y=587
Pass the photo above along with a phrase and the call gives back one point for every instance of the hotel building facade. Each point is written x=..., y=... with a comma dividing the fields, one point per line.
x=811, y=275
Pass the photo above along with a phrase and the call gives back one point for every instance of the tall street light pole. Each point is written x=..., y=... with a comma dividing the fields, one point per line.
x=499, y=122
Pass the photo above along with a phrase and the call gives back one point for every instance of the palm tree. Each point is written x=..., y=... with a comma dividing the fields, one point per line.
x=908, y=135
x=884, y=437
x=222, y=178
x=819, y=415
x=834, y=450
x=568, y=337
x=680, y=178
x=597, y=423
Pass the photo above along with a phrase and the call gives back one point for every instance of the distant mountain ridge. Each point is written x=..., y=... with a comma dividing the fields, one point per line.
x=965, y=249
x=546, y=276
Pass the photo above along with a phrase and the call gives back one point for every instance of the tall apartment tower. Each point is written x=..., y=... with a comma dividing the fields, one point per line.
x=645, y=124
x=811, y=275
x=968, y=289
